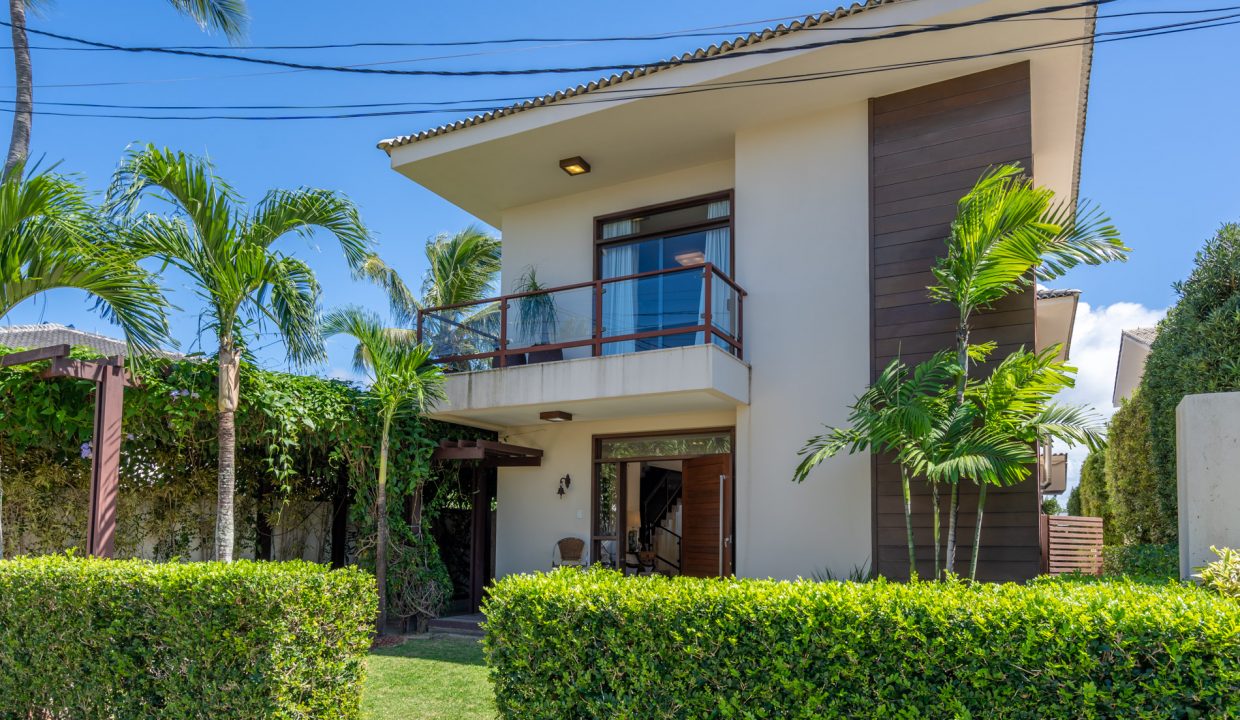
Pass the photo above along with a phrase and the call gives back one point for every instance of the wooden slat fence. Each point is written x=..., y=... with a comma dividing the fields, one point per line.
x=1073, y=544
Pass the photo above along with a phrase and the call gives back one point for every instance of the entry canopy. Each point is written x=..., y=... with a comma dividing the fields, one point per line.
x=489, y=452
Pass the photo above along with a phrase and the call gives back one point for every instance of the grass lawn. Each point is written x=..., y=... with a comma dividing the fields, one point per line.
x=428, y=678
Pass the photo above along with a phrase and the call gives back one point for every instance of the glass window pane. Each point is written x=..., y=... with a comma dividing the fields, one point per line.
x=665, y=446
x=606, y=500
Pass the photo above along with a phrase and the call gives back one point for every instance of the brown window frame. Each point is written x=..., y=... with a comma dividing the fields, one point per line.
x=730, y=224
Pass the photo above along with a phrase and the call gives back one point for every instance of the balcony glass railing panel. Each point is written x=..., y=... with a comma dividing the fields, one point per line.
x=679, y=307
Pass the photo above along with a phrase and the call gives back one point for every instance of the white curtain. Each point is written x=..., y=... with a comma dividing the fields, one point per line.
x=719, y=254
x=619, y=298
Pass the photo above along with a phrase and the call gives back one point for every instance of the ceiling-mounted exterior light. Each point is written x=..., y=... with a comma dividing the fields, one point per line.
x=575, y=165
x=555, y=416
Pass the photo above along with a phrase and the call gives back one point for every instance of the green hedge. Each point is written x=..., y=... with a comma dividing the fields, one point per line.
x=88, y=638
x=595, y=644
x=1142, y=561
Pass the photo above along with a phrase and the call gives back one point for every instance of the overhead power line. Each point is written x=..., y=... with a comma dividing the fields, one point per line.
x=707, y=31
x=623, y=94
x=938, y=27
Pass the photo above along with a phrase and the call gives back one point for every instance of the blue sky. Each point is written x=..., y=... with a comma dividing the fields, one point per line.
x=1160, y=148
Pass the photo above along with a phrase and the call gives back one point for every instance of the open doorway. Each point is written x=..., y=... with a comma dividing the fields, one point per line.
x=663, y=503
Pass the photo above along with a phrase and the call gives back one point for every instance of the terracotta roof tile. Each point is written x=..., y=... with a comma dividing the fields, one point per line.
x=45, y=334
x=749, y=40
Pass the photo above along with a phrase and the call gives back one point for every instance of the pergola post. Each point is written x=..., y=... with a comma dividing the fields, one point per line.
x=106, y=463
x=110, y=380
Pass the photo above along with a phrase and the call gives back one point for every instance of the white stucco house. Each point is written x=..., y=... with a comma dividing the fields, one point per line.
x=739, y=238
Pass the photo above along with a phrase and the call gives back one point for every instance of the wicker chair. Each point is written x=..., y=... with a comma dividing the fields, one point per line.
x=569, y=551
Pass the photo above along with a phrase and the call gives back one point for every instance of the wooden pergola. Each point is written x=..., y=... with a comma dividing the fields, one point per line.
x=489, y=453
x=110, y=380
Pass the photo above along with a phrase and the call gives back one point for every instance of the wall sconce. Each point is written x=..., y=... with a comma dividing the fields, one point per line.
x=565, y=482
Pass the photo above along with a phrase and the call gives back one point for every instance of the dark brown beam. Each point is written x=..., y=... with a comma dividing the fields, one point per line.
x=35, y=355
x=84, y=370
x=510, y=449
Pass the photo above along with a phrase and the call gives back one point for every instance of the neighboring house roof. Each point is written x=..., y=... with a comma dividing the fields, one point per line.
x=1055, y=319
x=1144, y=335
x=45, y=334
x=697, y=55
x=1134, y=348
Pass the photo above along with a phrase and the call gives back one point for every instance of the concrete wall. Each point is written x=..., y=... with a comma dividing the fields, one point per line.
x=1208, y=456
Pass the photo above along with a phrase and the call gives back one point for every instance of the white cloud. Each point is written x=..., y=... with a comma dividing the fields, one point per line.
x=1095, y=353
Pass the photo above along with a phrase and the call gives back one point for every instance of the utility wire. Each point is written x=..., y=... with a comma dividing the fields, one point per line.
x=1106, y=37
x=719, y=30
x=114, y=83
x=938, y=27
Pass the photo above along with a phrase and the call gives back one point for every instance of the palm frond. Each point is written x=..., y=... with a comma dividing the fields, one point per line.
x=301, y=211
x=403, y=303
x=462, y=267
x=227, y=16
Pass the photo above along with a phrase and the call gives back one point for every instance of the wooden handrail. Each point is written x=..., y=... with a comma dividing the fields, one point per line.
x=598, y=337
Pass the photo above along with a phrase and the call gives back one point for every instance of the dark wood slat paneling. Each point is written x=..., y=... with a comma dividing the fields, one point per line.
x=928, y=146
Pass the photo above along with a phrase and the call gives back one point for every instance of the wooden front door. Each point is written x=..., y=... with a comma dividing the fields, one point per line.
x=706, y=489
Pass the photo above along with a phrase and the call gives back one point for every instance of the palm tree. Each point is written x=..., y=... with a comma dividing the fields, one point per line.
x=244, y=283
x=461, y=268
x=1007, y=235
x=51, y=238
x=227, y=16
x=889, y=416
x=402, y=381
x=1014, y=406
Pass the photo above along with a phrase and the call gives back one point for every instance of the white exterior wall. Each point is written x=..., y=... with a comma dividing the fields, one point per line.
x=802, y=228
x=530, y=517
x=802, y=246
x=1208, y=453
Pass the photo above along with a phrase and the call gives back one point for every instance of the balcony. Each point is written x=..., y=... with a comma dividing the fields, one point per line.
x=650, y=343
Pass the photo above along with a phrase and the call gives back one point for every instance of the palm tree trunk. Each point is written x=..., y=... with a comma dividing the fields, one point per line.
x=23, y=109
x=977, y=530
x=953, y=512
x=908, y=524
x=381, y=520
x=229, y=392
x=934, y=503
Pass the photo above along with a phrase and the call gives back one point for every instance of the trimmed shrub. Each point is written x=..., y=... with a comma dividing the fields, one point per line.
x=1142, y=561
x=1136, y=495
x=89, y=638
x=1093, y=493
x=594, y=644
x=1197, y=351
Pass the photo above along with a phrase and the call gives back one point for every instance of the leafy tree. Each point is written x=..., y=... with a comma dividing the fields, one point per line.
x=1007, y=234
x=1197, y=351
x=244, y=283
x=1095, y=498
x=1074, y=501
x=227, y=16
x=1051, y=506
x=402, y=381
x=1138, y=514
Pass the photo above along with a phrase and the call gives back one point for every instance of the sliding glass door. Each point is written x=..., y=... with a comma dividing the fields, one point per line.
x=681, y=235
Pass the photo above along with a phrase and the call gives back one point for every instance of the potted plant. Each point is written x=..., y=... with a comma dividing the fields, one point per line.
x=537, y=317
